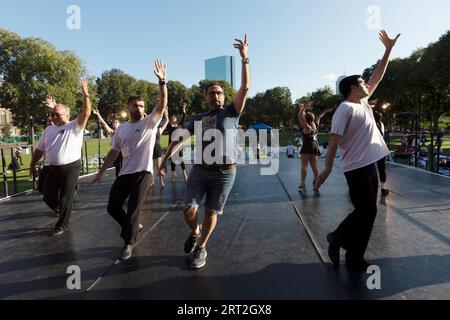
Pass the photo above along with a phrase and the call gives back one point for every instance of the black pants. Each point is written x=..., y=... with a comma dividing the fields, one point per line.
x=59, y=190
x=135, y=186
x=42, y=178
x=382, y=170
x=354, y=232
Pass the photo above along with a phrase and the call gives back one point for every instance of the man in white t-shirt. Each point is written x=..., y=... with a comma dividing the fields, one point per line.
x=136, y=141
x=61, y=143
x=356, y=134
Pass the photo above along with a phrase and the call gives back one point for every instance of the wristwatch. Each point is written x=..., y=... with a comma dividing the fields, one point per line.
x=162, y=82
x=245, y=60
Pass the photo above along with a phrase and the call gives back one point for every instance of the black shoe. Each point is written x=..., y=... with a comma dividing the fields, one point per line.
x=191, y=243
x=384, y=192
x=126, y=252
x=333, y=249
x=356, y=264
x=56, y=232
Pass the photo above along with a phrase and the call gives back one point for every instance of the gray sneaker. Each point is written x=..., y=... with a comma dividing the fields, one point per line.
x=126, y=252
x=199, y=258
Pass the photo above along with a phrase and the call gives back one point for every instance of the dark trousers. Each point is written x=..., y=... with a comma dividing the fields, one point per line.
x=354, y=232
x=381, y=164
x=135, y=187
x=42, y=178
x=59, y=190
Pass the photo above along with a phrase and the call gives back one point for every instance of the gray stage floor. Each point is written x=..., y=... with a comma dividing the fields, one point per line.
x=269, y=244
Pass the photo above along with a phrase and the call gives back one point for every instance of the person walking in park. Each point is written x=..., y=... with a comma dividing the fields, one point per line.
x=214, y=178
x=61, y=143
x=355, y=132
x=310, y=152
x=111, y=131
x=136, y=141
x=174, y=125
x=157, y=151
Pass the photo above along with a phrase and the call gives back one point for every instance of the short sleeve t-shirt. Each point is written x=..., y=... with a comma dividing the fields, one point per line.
x=362, y=143
x=136, y=141
x=62, y=144
x=225, y=120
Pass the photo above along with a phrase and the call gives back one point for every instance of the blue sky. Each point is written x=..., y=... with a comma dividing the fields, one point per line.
x=293, y=43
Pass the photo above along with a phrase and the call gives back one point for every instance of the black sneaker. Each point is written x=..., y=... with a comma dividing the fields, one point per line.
x=199, y=258
x=191, y=243
x=57, y=232
x=333, y=249
x=356, y=264
x=384, y=192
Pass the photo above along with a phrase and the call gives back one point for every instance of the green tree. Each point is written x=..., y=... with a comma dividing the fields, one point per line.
x=30, y=69
x=178, y=94
x=7, y=130
x=114, y=87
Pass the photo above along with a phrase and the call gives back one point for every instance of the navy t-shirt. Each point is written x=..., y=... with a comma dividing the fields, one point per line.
x=225, y=120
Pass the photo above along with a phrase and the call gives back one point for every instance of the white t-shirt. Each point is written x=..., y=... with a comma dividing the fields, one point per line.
x=136, y=141
x=362, y=143
x=62, y=144
x=290, y=150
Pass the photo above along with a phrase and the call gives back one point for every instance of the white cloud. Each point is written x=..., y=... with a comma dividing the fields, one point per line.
x=330, y=77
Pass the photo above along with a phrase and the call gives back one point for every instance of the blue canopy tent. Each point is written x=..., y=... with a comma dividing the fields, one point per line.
x=261, y=126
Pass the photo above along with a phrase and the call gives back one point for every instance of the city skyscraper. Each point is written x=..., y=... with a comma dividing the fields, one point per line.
x=221, y=68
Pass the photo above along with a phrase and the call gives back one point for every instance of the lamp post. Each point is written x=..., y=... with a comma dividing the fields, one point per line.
x=31, y=133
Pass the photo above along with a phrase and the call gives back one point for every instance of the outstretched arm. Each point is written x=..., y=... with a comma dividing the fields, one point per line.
x=380, y=70
x=323, y=114
x=50, y=102
x=241, y=96
x=105, y=126
x=87, y=107
x=173, y=148
x=166, y=122
x=37, y=155
x=161, y=74
x=109, y=160
x=301, y=117
x=331, y=153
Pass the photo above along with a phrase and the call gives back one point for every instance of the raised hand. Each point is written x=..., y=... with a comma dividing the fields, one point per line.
x=84, y=88
x=95, y=111
x=49, y=101
x=160, y=70
x=242, y=46
x=388, y=42
x=97, y=179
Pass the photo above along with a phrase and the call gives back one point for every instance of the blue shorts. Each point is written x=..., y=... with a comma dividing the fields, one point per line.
x=216, y=185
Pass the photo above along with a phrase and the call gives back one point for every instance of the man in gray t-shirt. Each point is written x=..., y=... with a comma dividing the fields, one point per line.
x=214, y=173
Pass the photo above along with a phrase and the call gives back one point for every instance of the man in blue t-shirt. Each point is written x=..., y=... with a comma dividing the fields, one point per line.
x=214, y=171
